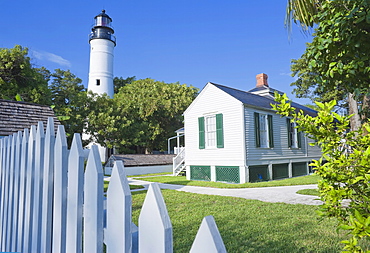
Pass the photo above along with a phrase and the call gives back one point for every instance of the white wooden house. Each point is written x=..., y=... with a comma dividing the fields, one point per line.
x=235, y=136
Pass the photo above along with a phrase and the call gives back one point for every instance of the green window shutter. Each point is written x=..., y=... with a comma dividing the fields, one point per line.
x=257, y=129
x=201, y=133
x=271, y=132
x=289, y=129
x=299, y=137
x=219, y=130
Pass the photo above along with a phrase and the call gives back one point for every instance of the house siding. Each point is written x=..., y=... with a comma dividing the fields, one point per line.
x=208, y=102
x=280, y=153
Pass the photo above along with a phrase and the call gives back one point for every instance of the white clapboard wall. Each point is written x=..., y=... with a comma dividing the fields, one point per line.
x=50, y=203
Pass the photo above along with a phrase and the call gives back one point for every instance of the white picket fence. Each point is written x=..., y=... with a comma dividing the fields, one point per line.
x=50, y=203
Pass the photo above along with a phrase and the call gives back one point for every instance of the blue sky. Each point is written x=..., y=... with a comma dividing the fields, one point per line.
x=192, y=41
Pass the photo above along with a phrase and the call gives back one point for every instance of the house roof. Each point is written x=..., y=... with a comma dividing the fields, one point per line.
x=251, y=99
x=180, y=130
x=16, y=116
x=131, y=160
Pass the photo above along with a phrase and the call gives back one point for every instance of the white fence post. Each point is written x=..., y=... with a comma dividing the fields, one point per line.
x=93, y=203
x=29, y=192
x=9, y=235
x=2, y=168
x=6, y=192
x=60, y=192
x=155, y=228
x=22, y=189
x=13, y=246
x=75, y=196
x=47, y=188
x=38, y=181
x=208, y=238
x=118, y=236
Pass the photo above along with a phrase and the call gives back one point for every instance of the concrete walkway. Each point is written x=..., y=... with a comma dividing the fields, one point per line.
x=283, y=194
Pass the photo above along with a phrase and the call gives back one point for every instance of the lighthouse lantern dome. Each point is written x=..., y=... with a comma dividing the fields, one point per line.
x=102, y=28
x=103, y=20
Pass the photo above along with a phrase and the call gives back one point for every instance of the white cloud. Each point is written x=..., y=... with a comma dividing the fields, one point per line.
x=41, y=55
x=286, y=74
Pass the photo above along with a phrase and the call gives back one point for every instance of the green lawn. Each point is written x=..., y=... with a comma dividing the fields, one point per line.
x=181, y=180
x=132, y=187
x=149, y=175
x=247, y=225
x=314, y=192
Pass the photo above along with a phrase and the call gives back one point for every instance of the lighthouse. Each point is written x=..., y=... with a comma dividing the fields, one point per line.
x=102, y=43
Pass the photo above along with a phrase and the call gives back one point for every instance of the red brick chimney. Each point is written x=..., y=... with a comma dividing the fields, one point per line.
x=262, y=80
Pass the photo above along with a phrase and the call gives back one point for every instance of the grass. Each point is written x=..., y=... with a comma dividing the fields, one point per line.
x=152, y=174
x=132, y=187
x=314, y=192
x=247, y=225
x=181, y=180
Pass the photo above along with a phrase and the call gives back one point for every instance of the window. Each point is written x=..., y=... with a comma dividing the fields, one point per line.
x=211, y=131
x=263, y=130
x=98, y=82
x=210, y=124
x=294, y=137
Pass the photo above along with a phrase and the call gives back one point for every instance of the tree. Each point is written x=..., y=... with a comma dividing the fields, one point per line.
x=337, y=59
x=302, y=12
x=344, y=167
x=119, y=82
x=70, y=101
x=307, y=81
x=20, y=80
x=142, y=115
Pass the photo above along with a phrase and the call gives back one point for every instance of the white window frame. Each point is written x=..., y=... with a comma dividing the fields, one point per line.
x=293, y=135
x=210, y=131
x=264, y=131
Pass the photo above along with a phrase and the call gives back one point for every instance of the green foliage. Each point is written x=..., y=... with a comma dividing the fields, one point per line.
x=344, y=167
x=155, y=109
x=337, y=60
x=19, y=80
x=70, y=101
x=119, y=82
x=302, y=12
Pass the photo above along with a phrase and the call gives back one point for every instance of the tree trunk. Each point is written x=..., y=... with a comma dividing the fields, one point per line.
x=365, y=111
x=355, y=120
x=365, y=108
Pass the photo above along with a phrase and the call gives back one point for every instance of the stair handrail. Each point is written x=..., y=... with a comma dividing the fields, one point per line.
x=178, y=160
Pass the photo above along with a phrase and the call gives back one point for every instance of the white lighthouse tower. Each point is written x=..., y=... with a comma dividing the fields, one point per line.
x=102, y=43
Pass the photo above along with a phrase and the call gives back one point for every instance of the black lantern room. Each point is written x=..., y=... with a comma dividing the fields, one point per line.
x=102, y=28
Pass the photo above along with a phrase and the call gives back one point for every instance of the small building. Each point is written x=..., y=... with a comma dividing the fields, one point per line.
x=235, y=136
x=16, y=116
x=137, y=164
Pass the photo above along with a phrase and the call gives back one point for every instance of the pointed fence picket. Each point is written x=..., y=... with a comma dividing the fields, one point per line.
x=93, y=203
x=118, y=232
x=22, y=189
x=47, y=188
x=50, y=203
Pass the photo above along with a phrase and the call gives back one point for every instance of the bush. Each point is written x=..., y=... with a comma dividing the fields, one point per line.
x=344, y=168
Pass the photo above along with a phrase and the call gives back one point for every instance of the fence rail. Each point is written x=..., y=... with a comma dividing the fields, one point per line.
x=49, y=201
